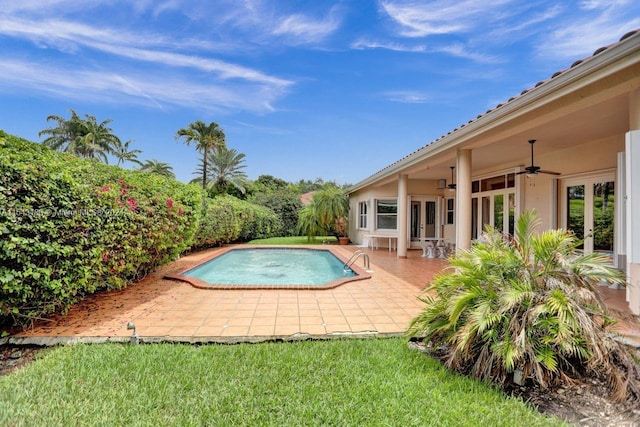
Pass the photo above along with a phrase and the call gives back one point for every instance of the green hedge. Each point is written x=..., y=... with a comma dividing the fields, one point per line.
x=228, y=219
x=70, y=227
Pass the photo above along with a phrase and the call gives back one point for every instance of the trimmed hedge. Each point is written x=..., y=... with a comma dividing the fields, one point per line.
x=71, y=227
x=229, y=219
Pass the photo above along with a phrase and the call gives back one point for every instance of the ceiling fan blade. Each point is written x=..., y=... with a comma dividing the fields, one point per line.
x=550, y=172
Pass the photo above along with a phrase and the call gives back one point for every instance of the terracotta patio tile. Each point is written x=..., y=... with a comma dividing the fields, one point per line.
x=287, y=320
x=362, y=327
x=337, y=327
x=354, y=320
x=240, y=321
x=261, y=330
x=311, y=320
x=284, y=329
x=235, y=331
x=312, y=329
x=163, y=308
x=154, y=331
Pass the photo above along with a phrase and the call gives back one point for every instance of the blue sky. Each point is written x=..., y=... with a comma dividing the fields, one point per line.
x=306, y=89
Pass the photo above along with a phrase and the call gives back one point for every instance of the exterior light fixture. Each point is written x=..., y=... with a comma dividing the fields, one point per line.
x=452, y=186
x=134, y=338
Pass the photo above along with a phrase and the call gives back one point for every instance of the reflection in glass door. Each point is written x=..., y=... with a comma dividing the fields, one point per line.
x=575, y=211
x=496, y=208
x=603, y=215
x=589, y=212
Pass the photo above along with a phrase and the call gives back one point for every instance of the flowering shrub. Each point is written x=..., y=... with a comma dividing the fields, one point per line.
x=70, y=227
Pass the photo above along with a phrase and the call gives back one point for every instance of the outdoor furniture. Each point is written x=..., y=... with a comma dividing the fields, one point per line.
x=373, y=240
x=431, y=246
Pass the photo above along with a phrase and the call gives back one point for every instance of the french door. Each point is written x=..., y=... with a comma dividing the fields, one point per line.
x=494, y=208
x=588, y=210
x=423, y=219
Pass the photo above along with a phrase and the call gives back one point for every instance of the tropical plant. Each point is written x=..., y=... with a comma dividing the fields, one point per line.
x=326, y=214
x=123, y=154
x=207, y=138
x=83, y=137
x=157, y=167
x=224, y=169
x=528, y=303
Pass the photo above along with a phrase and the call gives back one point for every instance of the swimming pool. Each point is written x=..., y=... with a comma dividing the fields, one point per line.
x=269, y=267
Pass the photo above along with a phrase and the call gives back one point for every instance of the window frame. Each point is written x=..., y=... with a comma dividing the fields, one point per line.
x=387, y=215
x=363, y=215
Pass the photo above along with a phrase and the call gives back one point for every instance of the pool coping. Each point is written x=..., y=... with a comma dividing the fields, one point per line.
x=361, y=274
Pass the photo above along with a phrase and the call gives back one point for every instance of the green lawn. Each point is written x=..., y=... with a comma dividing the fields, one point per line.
x=295, y=240
x=351, y=382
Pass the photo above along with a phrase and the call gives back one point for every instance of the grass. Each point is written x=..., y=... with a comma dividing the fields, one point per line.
x=336, y=382
x=295, y=240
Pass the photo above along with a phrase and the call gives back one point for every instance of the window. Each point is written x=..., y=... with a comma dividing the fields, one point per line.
x=450, y=209
x=386, y=214
x=498, y=182
x=362, y=215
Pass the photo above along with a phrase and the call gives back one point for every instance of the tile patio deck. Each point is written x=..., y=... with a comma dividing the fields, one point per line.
x=167, y=310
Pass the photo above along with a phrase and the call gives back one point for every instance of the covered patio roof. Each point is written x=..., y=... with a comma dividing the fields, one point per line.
x=588, y=101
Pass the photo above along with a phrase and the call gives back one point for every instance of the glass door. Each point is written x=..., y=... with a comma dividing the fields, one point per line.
x=496, y=208
x=588, y=211
x=422, y=219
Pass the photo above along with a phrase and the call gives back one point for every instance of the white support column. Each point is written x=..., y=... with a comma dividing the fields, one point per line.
x=632, y=198
x=403, y=194
x=463, y=199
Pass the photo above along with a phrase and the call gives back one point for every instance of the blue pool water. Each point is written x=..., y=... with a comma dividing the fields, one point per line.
x=271, y=266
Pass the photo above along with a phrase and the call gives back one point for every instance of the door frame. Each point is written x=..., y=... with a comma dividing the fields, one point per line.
x=438, y=220
x=588, y=179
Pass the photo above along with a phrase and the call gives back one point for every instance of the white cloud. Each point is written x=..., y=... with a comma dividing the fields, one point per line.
x=304, y=29
x=150, y=90
x=604, y=24
x=420, y=18
x=407, y=97
x=399, y=47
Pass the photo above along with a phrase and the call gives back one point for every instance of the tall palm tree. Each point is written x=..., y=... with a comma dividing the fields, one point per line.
x=224, y=166
x=83, y=137
x=160, y=168
x=206, y=137
x=123, y=154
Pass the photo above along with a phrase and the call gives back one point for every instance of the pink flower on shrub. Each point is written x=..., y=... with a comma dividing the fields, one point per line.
x=123, y=191
x=132, y=204
x=169, y=204
x=105, y=188
x=121, y=262
x=105, y=256
x=180, y=212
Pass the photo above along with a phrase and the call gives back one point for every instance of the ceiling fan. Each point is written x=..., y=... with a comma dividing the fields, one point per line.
x=535, y=170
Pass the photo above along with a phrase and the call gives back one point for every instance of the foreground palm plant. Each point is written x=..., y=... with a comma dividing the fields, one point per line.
x=527, y=303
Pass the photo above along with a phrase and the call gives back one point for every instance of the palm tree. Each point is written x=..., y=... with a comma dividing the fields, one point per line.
x=527, y=303
x=83, y=137
x=326, y=214
x=157, y=167
x=123, y=154
x=206, y=137
x=224, y=167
